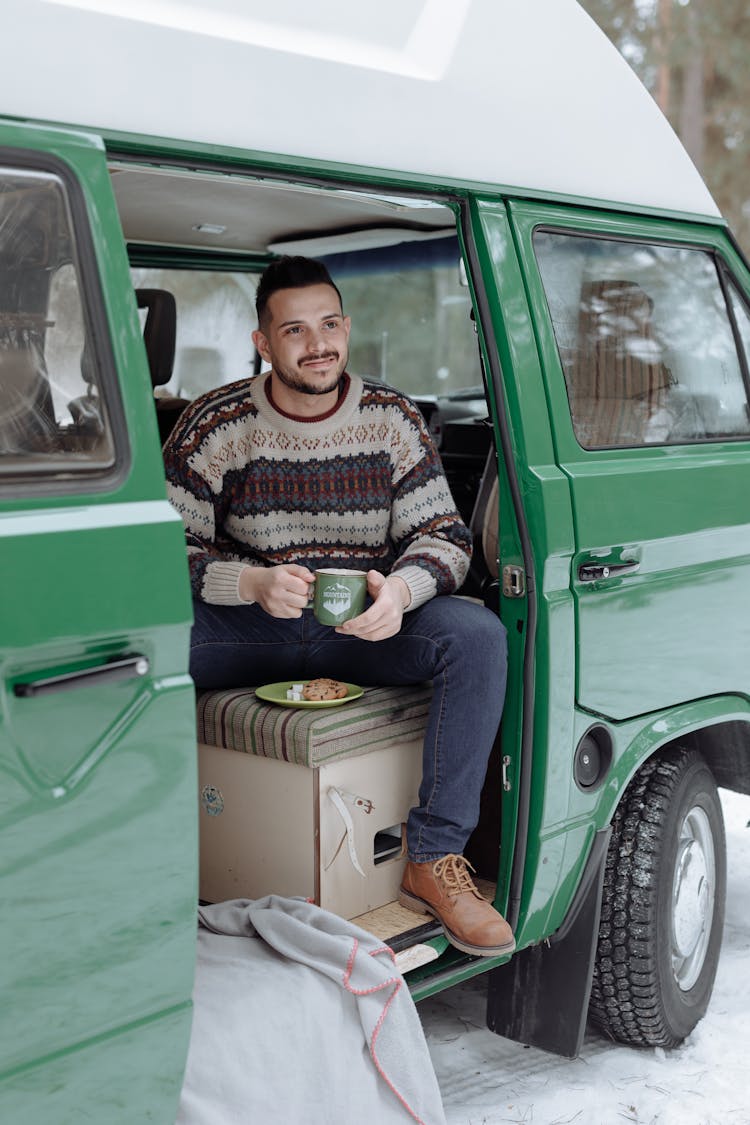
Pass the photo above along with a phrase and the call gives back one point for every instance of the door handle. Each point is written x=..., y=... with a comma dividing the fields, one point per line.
x=590, y=572
x=121, y=668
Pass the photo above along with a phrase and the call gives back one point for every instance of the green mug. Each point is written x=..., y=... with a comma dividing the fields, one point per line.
x=339, y=595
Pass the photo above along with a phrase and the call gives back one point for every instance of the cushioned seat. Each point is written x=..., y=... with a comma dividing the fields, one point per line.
x=238, y=720
x=306, y=801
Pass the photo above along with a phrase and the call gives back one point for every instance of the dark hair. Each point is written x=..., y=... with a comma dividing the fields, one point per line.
x=290, y=272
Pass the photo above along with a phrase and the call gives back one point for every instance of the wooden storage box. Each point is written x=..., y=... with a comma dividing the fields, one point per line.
x=297, y=802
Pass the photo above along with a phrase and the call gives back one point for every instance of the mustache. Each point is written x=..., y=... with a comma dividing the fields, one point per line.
x=319, y=355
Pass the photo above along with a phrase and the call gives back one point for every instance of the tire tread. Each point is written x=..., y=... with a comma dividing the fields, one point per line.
x=626, y=989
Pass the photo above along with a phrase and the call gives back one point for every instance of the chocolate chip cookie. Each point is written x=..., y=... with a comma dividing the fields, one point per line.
x=323, y=689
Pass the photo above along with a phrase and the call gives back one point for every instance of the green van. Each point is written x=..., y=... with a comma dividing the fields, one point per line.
x=526, y=250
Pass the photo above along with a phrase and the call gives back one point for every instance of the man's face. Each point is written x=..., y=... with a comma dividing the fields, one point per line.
x=305, y=338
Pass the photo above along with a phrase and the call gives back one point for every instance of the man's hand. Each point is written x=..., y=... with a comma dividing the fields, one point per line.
x=282, y=591
x=383, y=619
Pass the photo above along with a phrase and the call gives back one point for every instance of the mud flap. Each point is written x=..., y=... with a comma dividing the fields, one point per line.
x=541, y=996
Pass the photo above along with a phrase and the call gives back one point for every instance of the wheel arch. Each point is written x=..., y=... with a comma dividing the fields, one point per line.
x=725, y=747
x=717, y=727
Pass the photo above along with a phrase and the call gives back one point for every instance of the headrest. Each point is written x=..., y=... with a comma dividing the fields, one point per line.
x=615, y=310
x=159, y=332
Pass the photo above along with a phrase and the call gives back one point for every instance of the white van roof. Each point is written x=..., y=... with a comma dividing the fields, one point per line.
x=527, y=94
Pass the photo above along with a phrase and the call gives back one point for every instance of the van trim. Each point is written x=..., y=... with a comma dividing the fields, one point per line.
x=238, y=163
x=82, y=481
x=527, y=718
x=146, y=255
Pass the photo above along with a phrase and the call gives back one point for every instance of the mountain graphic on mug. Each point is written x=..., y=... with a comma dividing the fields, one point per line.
x=337, y=598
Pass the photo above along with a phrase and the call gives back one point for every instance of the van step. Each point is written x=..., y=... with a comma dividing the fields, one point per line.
x=401, y=928
x=397, y=926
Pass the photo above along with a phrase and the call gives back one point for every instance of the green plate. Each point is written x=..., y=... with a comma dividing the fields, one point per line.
x=276, y=693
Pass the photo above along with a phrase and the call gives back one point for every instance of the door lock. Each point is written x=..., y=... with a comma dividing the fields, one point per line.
x=514, y=582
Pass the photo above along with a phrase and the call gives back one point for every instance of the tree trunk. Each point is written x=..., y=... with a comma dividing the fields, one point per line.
x=663, y=73
x=693, y=103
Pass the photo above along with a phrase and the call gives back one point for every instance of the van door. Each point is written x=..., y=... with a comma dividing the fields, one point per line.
x=639, y=323
x=98, y=854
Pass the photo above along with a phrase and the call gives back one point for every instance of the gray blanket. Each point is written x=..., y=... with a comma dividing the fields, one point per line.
x=311, y=1025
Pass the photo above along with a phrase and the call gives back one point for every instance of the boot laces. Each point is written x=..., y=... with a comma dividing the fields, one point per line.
x=453, y=872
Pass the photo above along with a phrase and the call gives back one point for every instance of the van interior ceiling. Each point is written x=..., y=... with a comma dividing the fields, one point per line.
x=201, y=239
x=230, y=213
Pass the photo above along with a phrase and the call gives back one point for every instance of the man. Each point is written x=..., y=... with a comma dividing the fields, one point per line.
x=307, y=466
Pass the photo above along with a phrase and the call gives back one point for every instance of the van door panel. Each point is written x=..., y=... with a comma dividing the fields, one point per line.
x=98, y=849
x=660, y=473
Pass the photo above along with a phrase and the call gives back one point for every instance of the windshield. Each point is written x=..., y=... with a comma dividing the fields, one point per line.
x=411, y=317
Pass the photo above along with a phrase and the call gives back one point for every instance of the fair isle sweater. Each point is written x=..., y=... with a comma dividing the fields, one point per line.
x=360, y=487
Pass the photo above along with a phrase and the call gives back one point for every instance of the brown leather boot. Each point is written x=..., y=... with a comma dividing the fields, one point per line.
x=445, y=890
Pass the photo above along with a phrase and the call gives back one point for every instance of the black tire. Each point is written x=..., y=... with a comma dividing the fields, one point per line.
x=656, y=957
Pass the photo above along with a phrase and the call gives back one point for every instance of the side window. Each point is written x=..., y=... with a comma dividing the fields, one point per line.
x=53, y=419
x=215, y=319
x=742, y=320
x=645, y=340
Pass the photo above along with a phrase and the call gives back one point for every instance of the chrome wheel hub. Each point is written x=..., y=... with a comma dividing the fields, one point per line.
x=693, y=891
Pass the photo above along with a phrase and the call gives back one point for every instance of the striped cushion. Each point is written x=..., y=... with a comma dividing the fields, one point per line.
x=238, y=720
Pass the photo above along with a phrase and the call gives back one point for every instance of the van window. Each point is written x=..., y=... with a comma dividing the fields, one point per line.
x=215, y=319
x=411, y=316
x=645, y=341
x=742, y=320
x=411, y=320
x=53, y=418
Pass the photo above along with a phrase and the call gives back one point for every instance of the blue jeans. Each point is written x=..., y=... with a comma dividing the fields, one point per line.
x=459, y=645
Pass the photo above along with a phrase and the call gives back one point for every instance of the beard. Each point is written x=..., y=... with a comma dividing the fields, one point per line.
x=294, y=377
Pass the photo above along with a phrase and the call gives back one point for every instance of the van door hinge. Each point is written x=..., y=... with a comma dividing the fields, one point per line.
x=506, y=780
x=514, y=582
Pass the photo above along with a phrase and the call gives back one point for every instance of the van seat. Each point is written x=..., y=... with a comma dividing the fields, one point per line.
x=27, y=420
x=616, y=381
x=159, y=336
x=383, y=716
x=315, y=801
x=485, y=535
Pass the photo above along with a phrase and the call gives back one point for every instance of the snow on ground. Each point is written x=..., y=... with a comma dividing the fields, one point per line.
x=486, y=1080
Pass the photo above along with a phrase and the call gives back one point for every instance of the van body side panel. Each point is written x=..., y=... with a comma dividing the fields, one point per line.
x=98, y=833
x=609, y=664
x=59, y=1090
x=669, y=520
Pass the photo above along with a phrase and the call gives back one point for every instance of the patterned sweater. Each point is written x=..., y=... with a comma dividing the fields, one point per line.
x=361, y=487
